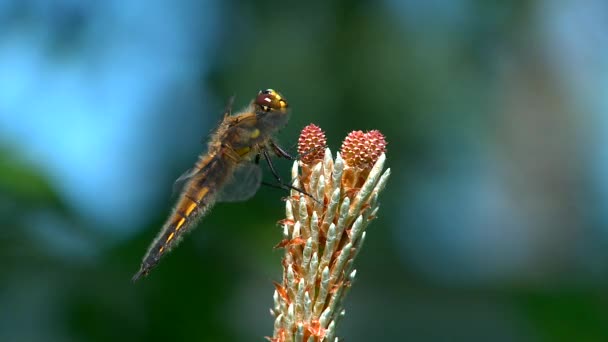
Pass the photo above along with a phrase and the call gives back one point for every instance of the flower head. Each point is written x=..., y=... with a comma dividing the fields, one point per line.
x=363, y=149
x=323, y=235
x=311, y=144
x=360, y=152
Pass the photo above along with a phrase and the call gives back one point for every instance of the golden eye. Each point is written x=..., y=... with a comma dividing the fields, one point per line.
x=270, y=100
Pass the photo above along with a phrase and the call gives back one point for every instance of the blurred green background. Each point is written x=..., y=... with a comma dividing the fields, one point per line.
x=493, y=226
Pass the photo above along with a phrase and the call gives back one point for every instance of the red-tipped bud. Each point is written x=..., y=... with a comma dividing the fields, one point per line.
x=311, y=145
x=363, y=149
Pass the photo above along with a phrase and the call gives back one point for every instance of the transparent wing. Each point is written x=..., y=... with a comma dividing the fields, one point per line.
x=185, y=177
x=243, y=185
x=181, y=180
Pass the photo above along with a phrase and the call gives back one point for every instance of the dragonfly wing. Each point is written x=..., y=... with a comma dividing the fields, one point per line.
x=243, y=185
x=181, y=180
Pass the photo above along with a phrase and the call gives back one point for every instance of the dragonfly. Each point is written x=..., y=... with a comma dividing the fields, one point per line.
x=229, y=171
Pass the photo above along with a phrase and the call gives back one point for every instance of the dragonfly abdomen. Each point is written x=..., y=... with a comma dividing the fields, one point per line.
x=197, y=197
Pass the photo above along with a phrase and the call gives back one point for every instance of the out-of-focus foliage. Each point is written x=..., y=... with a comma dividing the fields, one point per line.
x=493, y=227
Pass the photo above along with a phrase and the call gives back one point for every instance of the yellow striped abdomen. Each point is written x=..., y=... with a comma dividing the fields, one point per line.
x=197, y=197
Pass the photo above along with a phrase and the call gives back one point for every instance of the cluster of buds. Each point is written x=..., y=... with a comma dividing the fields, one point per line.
x=324, y=231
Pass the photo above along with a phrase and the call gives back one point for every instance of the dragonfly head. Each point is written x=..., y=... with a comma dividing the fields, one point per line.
x=272, y=109
x=270, y=100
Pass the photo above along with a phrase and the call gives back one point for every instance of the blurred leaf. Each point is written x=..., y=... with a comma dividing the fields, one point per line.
x=24, y=183
x=568, y=315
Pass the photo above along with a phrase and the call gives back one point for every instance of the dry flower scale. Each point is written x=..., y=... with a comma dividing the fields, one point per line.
x=322, y=237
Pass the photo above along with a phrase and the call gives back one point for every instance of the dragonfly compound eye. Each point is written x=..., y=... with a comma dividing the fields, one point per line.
x=270, y=100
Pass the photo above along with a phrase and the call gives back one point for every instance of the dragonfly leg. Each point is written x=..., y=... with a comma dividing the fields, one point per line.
x=284, y=154
x=280, y=182
x=281, y=152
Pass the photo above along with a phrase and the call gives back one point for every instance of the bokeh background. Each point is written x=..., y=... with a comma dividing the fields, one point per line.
x=494, y=226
